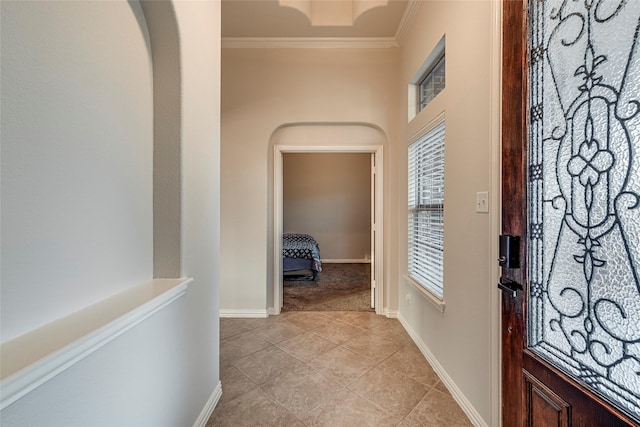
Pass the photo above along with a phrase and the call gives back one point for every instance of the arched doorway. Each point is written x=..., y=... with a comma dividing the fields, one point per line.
x=330, y=138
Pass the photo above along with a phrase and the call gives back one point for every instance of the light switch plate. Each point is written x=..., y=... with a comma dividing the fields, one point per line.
x=482, y=202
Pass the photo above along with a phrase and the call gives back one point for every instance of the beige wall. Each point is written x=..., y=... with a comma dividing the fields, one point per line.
x=266, y=89
x=77, y=212
x=263, y=91
x=328, y=195
x=77, y=144
x=460, y=339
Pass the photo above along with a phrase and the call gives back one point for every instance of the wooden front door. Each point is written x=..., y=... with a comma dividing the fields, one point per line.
x=571, y=193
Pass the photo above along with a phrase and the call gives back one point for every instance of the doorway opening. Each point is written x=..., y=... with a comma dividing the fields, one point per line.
x=327, y=200
x=375, y=223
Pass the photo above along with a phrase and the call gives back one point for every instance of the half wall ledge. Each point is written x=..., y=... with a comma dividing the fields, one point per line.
x=32, y=359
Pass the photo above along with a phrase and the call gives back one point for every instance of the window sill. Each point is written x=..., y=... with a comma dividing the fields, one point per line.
x=434, y=300
x=32, y=359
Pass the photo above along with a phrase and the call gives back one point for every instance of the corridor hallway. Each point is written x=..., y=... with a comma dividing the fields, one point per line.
x=327, y=369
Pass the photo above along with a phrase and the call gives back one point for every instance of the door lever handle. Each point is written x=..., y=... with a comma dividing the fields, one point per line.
x=509, y=286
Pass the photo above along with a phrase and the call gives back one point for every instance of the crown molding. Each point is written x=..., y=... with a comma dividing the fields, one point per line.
x=309, y=42
x=412, y=8
x=327, y=42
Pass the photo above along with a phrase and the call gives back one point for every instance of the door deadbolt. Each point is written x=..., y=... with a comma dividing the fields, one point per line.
x=509, y=251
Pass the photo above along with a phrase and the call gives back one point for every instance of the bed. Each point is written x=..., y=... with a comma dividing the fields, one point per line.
x=300, y=252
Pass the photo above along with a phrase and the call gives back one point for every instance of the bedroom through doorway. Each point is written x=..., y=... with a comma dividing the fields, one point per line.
x=330, y=197
x=326, y=202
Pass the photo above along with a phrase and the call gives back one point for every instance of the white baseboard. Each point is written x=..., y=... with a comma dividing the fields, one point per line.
x=391, y=314
x=346, y=261
x=457, y=394
x=226, y=312
x=209, y=407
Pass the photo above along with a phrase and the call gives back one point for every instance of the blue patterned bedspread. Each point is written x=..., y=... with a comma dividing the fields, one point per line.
x=301, y=246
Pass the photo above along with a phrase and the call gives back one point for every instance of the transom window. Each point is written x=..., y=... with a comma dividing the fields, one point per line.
x=428, y=80
x=426, y=210
x=432, y=83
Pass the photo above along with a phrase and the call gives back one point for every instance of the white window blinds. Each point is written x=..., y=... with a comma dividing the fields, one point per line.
x=426, y=210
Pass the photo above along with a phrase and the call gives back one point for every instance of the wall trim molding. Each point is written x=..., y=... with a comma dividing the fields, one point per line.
x=457, y=394
x=209, y=407
x=328, y=42
x=242, y=313
x=309, y=42
x=495, y=88
x=392, y=314
x=59, y=345
x=409, y=13
x=377, y=205
x=428, y=296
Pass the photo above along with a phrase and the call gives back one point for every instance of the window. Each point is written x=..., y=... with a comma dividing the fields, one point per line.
x=431, y=84
x=426, y=210
x=428, y=80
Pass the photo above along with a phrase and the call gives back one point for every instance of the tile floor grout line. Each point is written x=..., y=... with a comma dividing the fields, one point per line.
x=366, y=326
x=374, y=404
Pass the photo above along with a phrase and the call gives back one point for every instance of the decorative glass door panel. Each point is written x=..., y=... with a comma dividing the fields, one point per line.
x=584, y=193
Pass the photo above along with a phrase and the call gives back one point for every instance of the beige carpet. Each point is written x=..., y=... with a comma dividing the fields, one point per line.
x=339, y=287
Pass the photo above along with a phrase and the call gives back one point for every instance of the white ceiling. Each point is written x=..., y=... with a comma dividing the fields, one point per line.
x=266, y=19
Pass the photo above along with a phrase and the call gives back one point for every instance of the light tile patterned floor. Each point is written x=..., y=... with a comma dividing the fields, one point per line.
x=327, y=369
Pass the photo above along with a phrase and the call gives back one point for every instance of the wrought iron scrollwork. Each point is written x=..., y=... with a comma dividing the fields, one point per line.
x=584, y=192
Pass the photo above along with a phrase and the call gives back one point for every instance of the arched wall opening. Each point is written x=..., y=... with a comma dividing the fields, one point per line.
x=90, y=183
x=165, y=54
x=326, y=138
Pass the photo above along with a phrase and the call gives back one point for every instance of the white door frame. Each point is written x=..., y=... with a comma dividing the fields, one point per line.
x=376, y=230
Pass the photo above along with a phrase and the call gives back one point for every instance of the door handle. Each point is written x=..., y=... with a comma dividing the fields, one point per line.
x=509, y=286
